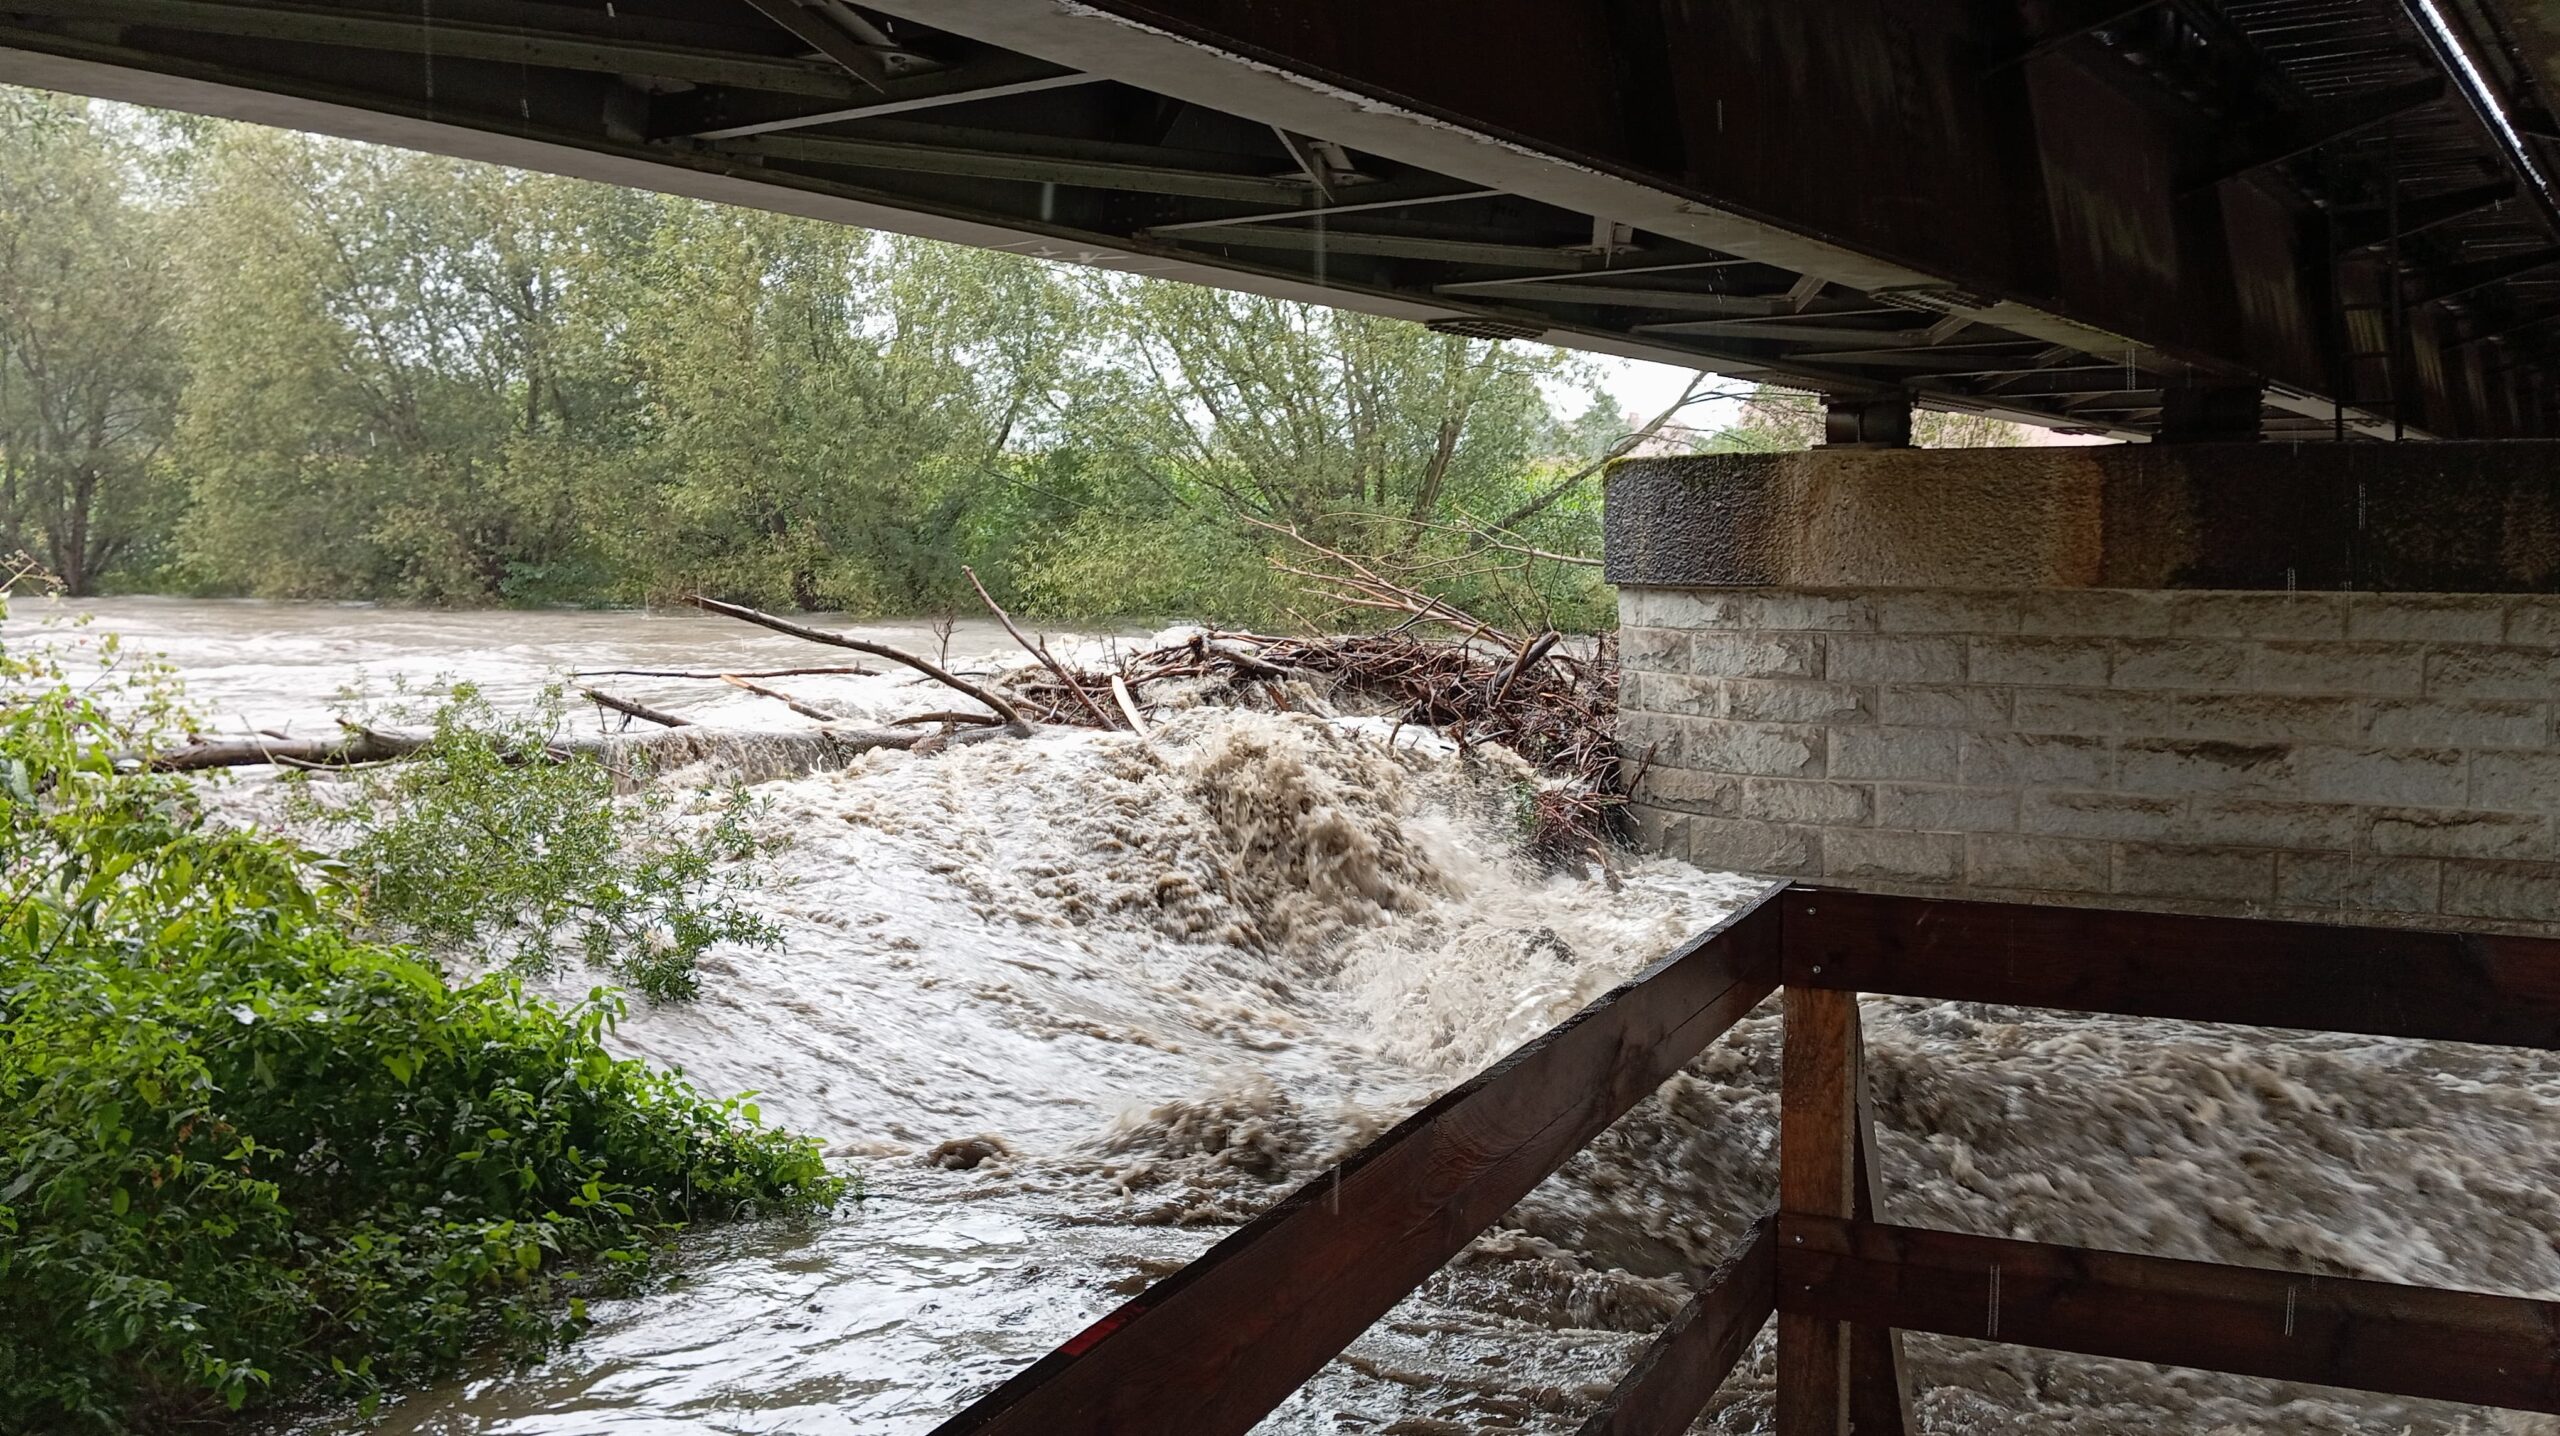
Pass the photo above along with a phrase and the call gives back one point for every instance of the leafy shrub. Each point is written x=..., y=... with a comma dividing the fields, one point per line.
x=465, y=846
x=246, y=1154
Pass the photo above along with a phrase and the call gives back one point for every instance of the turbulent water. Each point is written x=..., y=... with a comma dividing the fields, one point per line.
x=1074, y=1006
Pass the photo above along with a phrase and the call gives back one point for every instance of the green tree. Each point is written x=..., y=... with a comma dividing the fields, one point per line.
x=88, y=350
x=387, y=367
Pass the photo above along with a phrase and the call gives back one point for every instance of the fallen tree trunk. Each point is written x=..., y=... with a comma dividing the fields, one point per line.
x=736, y=754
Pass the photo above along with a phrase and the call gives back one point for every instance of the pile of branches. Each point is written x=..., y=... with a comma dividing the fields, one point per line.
x=1554, y=708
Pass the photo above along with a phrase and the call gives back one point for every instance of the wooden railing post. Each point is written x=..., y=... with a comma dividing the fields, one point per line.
x=1817, y=1170
x=1833, y=1379
x=1879, y=1389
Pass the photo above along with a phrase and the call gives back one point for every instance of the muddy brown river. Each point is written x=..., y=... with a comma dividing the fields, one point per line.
x=1167, y=982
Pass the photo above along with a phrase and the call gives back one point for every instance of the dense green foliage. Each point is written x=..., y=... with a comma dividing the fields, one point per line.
x=350, y=372
x=246, y=1154
x=466, y=849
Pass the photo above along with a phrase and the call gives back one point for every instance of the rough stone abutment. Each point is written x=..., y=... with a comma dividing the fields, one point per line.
x=2314, y=682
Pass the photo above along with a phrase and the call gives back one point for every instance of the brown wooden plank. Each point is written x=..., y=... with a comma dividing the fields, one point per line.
x=1879, y=1385
x=1819, y=1079
x=2459, y=987
x=1212, y=1348
x=1672, y=1382
x=2286, y=1326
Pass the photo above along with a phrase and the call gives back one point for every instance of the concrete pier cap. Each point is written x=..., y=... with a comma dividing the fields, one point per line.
x=2294, y=681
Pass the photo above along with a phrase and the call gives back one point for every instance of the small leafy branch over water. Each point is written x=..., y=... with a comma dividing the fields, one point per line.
x=463, y=846
x=247, y=1153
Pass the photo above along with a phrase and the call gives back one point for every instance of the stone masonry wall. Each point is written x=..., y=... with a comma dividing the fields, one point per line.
x=2361, y=757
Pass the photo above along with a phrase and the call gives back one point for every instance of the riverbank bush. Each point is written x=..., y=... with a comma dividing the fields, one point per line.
x=464, y=849
x=246, y=1154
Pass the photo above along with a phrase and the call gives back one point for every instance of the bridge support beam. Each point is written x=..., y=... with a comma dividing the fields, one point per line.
x=2224, y=678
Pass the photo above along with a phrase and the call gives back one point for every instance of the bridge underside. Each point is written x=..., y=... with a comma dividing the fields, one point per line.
x=2197, y=218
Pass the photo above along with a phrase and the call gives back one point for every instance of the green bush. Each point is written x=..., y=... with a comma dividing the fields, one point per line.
x=464, y=847
x=246, y=1154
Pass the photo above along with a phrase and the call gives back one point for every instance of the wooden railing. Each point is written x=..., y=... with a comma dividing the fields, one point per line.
x=1214, y=1347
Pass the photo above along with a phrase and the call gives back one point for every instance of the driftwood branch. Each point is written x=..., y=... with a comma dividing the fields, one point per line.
x=805, y=710
x=1011, y=715
x=742, y=673
x=1036, y=650
x=627, y=707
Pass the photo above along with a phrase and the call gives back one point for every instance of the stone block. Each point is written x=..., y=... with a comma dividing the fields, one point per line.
x=2004, y=760
x=2179, y=766
x=2533, y=621
x=1790, y=800
x=2260, y=823
x=2091, y=711
x=2118, y=817
x=2454, y=723
x=2382, y=777
x=1921, y=755
x=1753, y=749
x=1689, y=790
x=2427, y=617
x=1947, y=611
x=2369, y=669
x=2258, y=615
x=1786, y=610
x=1937, y=807
x=2452, y=833
x=2526, y=892
x=2039, y=662
x=2267, y=717
x=1894, y=658
x=1853, y=853
x=2528, y=673
x=1999, y=860
x=1660, y=830
x=2097, y=612
x=1642, y=734
x=2516, y=782
x=1680, y=608
x=2181, y=663
x=1684, y=694
x=2353, y=883
x=1778, y=700
x=1942, y=706
x=2218, y=874
x=1742, y=846
x=1661, y=650
x=1755, y=655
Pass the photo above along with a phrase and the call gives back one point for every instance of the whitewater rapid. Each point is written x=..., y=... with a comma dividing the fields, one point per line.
x=1074, y=1006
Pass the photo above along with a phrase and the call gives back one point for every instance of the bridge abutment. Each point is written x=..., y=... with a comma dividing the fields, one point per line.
x=2247, y=678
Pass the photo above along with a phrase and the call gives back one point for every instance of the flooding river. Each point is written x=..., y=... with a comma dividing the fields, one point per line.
x=1165, y=982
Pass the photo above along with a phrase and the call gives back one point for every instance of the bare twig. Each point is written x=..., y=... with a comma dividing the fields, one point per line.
x=1011, y=715
x=1546, y=499
x=805, y=710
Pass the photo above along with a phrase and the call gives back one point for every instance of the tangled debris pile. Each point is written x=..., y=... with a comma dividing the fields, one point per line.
x=1557, y=710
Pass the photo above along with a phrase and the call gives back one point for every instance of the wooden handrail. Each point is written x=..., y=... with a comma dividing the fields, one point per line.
x=1210, y=1350
x=1677, y=1375
x=2283, y=1325
x=2386, y=982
